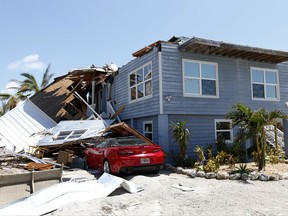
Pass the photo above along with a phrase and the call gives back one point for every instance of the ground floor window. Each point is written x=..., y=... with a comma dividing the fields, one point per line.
x=148, y=129
x=223, y=129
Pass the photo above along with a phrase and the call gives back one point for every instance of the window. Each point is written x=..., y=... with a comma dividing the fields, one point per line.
x=264, y=84
x=200, y=79
x=148, y=129
x=140, y=83
x=223, y=129
x=64, y=135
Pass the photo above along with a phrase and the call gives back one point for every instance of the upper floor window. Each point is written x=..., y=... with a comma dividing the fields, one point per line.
x=148, y=129
x=223, y=130
x=264, y=84
x=140, y=82
x=200, y=79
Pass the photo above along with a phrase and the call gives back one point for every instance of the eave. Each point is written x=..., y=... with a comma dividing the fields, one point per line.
x=218, y=48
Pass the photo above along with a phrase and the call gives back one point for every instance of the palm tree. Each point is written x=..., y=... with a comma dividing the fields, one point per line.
x=29, y=84
x=9, y=101
x=181, y=134
x=251, y=124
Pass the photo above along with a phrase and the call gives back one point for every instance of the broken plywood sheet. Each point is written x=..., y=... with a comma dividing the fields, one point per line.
x=55, y=196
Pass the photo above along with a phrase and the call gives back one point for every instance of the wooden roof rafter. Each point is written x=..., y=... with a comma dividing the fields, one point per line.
x=216, y=48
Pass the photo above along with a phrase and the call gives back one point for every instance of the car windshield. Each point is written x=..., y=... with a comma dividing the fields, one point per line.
x=121, y=141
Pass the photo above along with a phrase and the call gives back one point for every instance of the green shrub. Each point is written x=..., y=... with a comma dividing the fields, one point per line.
x=211, y=166
x=200, y=153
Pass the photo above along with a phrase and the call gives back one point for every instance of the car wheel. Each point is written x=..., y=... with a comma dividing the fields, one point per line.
x=106, y=167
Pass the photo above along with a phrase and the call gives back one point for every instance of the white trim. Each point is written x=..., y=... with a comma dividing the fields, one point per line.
x=277, y=84
x=200, y=94
x=144, y=132
x=129, y=87
x=231, y=129
x=160, y=83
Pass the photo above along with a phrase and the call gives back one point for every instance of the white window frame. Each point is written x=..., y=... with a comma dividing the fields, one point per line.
x=69, y=134
x=143, y=82
x=231, y=129
x=144, y=131
x=200, y=78
x=265, y=84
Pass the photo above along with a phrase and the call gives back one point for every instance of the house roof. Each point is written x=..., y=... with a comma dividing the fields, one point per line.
x=147, y=49
x=58, y=101
x=219, y=48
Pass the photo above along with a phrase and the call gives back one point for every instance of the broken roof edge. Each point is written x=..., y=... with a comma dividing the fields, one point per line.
x=149, y=48
x=243, y=47
x=274, y=56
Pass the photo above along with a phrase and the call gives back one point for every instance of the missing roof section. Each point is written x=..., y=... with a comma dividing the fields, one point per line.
x=219, y=48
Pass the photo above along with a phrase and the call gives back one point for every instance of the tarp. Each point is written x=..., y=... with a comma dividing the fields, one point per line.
x=53, y=197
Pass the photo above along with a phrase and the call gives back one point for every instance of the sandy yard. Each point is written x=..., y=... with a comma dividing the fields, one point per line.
x=207, y=197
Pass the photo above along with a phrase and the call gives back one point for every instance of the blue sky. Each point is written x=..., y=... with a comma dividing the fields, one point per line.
x=71, y=34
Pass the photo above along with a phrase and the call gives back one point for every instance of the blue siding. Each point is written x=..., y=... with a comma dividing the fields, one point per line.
x=139, y=126
x=120, y=89
x=200, y=113
x=234, y=84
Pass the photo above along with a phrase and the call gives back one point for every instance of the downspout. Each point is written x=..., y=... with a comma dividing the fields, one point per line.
x=160, y=82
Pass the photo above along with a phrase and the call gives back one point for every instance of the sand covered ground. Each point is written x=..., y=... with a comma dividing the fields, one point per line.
x=206, y=197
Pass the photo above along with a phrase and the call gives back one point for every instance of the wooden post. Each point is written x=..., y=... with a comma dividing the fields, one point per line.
x=32, y=180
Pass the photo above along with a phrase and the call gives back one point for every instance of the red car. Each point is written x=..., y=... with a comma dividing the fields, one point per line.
x=129, y=153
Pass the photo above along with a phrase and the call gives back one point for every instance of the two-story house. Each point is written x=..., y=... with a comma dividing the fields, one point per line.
x=198, y=80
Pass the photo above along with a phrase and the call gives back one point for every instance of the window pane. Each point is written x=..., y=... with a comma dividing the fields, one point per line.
x=148, y=127
x=258, y=91
x=223, y=125
x=257, y=76
x=192, y=86
x=148, y=88
x=147, y=72
x=208, y=71
x=149, y=136
x=271, y=91
x=270, y=77
x=191, y=69
x=140, y=76
x=208, y=87
x=133, y=93
x=132, y=79
x=224, y=134
x=140, y=89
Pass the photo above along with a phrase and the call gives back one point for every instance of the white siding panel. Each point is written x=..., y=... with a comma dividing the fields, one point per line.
x=17, y=127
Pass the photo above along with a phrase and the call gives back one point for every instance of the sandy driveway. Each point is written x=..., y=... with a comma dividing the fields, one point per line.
x=208, y=197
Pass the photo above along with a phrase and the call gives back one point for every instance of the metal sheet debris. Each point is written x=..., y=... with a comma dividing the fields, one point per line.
x=20, y=126
x=72, y=130
x=53, y=197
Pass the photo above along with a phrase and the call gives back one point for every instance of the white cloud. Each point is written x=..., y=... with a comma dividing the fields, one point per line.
x=9, y=87
x=26, y=64
x=11, y=84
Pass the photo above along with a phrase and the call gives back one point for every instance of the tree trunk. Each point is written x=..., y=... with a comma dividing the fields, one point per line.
x=261, y=165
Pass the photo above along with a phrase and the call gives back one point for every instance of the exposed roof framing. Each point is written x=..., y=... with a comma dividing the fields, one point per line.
x=146, y=49
x=218, y=48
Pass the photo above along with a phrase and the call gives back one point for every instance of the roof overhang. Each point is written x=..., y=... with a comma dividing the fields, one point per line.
x=122, y=127
x=218, y=48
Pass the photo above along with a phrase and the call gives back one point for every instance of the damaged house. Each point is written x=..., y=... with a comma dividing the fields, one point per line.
x=80, y=95
x=189, y=79
x=199, y=80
